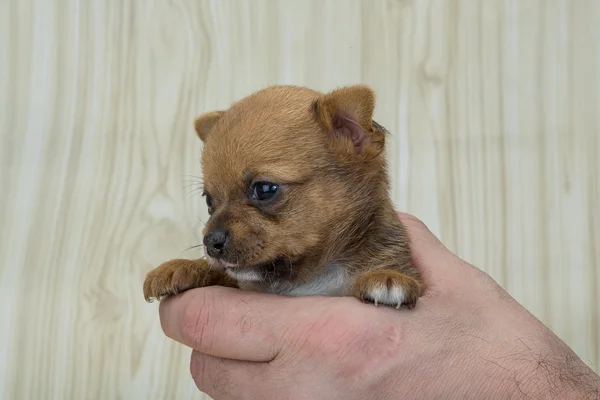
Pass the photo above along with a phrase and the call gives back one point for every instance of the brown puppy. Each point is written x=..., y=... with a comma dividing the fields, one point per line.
x=297, y=189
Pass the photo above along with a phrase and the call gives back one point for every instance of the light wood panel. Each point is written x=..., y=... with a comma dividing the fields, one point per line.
x=494, y=108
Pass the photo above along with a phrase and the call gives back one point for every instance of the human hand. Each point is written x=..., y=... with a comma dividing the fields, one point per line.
x=466, y=339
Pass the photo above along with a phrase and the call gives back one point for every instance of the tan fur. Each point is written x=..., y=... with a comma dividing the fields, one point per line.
x=205, y=123
x=177, y=276
x=333, y=210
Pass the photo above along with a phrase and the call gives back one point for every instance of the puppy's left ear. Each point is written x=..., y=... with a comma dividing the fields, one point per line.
x=205, y=123
x=346, y=116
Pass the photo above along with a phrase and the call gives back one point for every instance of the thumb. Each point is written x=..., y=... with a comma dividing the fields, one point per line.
x=228, y=323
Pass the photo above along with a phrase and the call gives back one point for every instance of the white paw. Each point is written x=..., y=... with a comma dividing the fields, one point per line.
x=389, y=296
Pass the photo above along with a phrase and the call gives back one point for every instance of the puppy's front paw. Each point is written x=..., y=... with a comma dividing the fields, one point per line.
x=387, y=287
x=174, y=277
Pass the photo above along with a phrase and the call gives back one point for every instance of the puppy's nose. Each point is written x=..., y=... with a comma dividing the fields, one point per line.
x=215, y=242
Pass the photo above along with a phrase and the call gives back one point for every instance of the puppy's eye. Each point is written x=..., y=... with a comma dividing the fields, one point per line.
x=264, y=190
x=209, y=203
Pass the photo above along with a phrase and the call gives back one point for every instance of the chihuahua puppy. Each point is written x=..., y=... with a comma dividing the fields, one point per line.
x=297, y=191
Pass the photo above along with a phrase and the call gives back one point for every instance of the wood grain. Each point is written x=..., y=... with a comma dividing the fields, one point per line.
x=494, y=106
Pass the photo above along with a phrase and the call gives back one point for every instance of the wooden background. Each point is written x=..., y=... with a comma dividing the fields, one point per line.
x=495, y=111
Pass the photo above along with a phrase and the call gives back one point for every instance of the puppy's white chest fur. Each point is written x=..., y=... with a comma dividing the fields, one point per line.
x=335, y=281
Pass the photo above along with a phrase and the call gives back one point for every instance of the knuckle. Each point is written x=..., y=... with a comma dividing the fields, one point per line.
x=220, y=378
x=488, y=284
x=197, y=368
x=245, y=324
x=210, y=374
x=198, y=321
x=368, y=350
x=412, y=221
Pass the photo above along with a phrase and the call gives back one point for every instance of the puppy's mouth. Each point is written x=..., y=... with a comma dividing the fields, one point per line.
x=280, y=268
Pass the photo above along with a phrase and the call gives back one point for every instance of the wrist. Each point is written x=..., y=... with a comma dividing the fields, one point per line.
x=546, y=373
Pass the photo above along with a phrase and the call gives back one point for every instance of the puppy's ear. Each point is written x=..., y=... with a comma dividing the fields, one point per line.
x=346, y=115
x=205, y=123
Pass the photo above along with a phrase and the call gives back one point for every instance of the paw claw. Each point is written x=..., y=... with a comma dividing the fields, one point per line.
x=169, y=279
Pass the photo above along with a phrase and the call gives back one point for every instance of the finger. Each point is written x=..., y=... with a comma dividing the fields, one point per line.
x=430, y=256
x=221, y=378
x=420, y=234
x=226, y=323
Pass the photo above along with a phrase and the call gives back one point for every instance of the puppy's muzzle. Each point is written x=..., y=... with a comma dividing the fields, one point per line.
x=217, y=242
